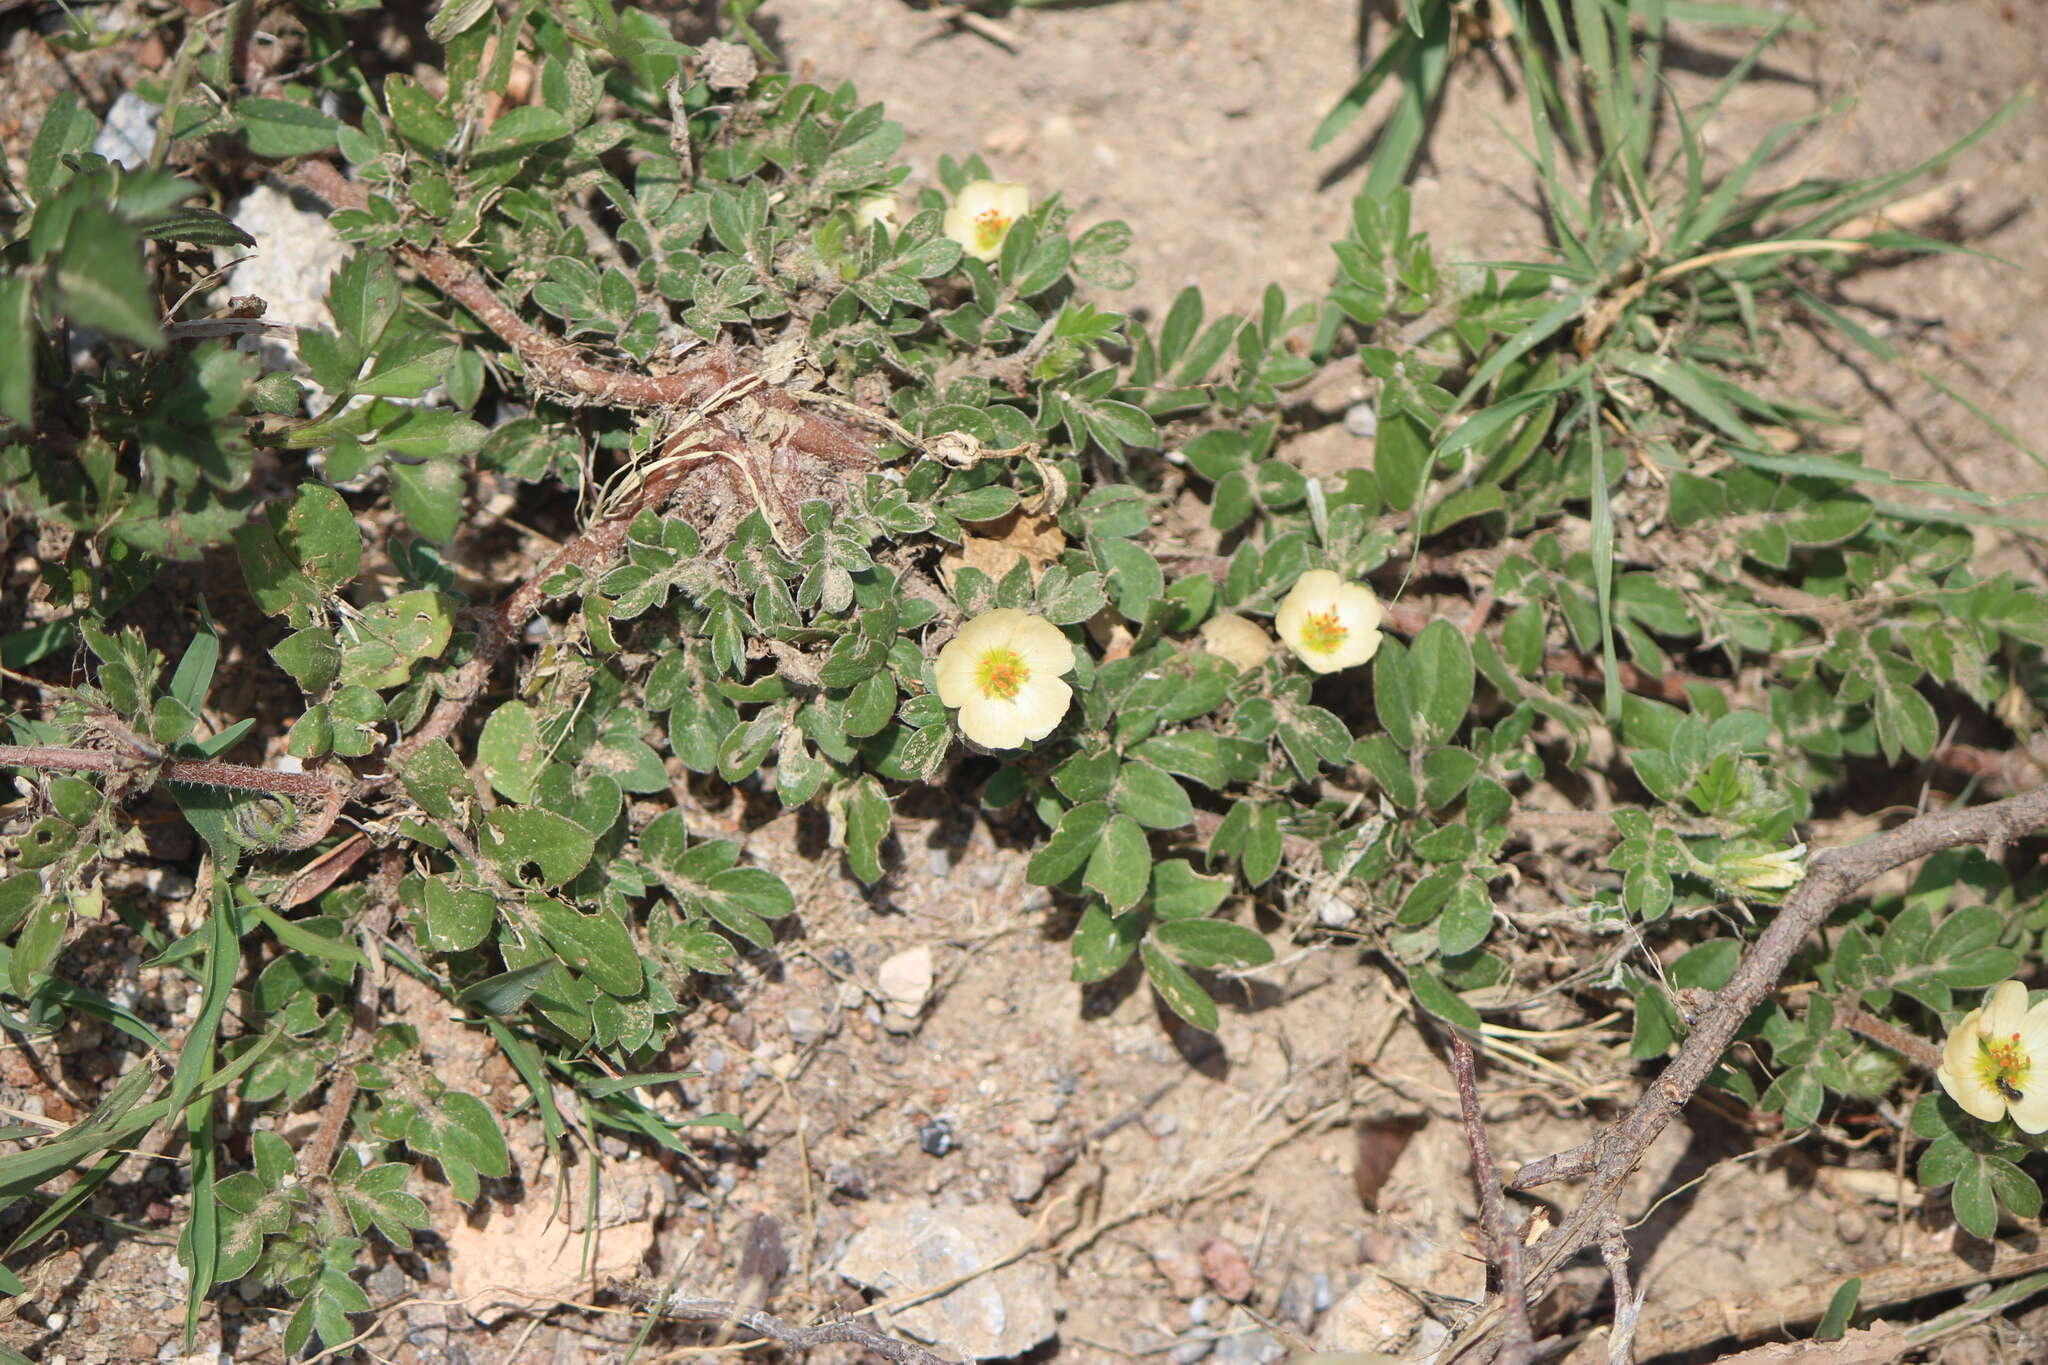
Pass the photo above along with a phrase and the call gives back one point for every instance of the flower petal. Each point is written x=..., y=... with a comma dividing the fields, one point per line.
x=1977, y=1099
x=2031, y=1112
x=993, y=723
x=1042, y=705
x=1045, y=651
x=2005, y=1010
x=1959, y=1053
x=954, y=670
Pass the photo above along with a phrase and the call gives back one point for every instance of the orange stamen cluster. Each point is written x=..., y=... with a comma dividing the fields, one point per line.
x=1001, y=674
x=1322, y=632
x=989, y=227
x=2005, y=1065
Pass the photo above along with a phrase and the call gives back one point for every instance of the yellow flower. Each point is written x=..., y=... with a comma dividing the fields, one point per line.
x=1988, y=1064
x=1238, y=640
x=981, y=216
x=1002, y=673
x=1776, y=870
x=879, y=207
x=1328, y=623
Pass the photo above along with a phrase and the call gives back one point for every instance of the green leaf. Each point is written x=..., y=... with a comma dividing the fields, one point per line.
x=436, y=779
x=1976, y=1208
x=1152, y=798
x=417, y=116
x=1193, y=754
x=1068, y=850
x=1835, y=1321
x=1440, y=662
x=310, y=656
x=1213, y=943
x=1103, y=943
x=1262, y=846
x=526, y=126
x=527, y=842
x=1467, y=918
x=860, y=820
x=376, y=1197
x=1433, y=995
x=2015, y=1189
x=68, y=128
x=1120, y=865
x=1396, y=696
x=1181, y=992
x=101, y=281
x=595, y=944
x=18, y=343
x=1905, y=720
x=510, y=751
x=456, y=920
x=507, y=992
x=280, y=128
x=319, y=535
x=393, y=635
x=1180, y=892
x=428, y=494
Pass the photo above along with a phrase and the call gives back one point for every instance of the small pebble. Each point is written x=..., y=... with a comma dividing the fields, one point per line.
x=935, y=1138
x=712, y=1062
x=1362, y=420
x=1188, y=1352
x=1298, y=1302
x=806, y=1025
x=129, y=134
x=1025, y=1179
x=1162, y=1125
x=1325, y=1292
x=1199, y=1310
x=1248, y=1348
x=1334, y=912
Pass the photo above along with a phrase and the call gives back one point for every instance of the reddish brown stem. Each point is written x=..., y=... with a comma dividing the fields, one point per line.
x=557, y=364
x=310, y=830
x=1503, y=1247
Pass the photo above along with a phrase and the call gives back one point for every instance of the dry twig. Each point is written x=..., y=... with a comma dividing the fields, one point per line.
x=1503, y=1246
x=796, y=1338
x=1832, y=876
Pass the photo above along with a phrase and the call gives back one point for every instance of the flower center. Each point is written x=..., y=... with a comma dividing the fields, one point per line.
x=989, y=227
x=1001, y=674
x=1322, y=632
x=2003, y=1065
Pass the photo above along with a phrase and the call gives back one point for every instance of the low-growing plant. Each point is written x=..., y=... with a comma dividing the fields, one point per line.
x=798, y=432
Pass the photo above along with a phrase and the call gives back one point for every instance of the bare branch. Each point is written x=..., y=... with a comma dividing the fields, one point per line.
x=1503, y=1246
x=310, y=830
x=1832, y=876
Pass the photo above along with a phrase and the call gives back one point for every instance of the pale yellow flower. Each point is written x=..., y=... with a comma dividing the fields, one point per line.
x=1778, y=870
x=1988, y=1064
x=879, y=207
x=1328, y=623
x=981, y=216
x=1002, y=673
x=1240, y=641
